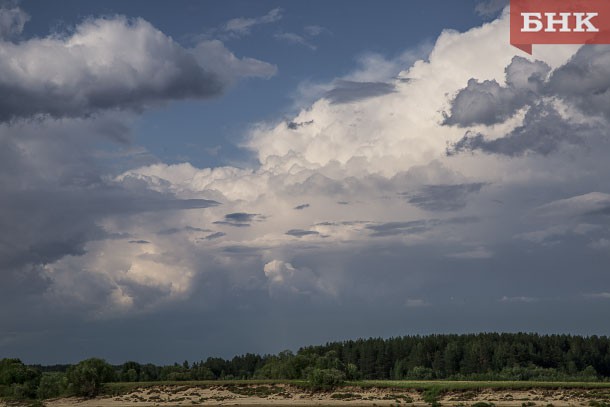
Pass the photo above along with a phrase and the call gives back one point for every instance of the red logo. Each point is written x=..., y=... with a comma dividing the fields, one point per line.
x=559, y=22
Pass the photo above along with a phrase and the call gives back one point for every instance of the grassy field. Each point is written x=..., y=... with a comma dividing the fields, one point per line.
x=443, y=385
x=473, y=385
x=123, y=387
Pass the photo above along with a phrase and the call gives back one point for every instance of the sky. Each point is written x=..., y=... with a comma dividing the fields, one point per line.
x=191, y=179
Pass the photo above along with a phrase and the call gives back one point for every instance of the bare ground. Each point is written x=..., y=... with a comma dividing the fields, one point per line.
x=287, y=395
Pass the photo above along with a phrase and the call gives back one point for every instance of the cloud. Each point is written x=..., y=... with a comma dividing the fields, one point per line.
x=599, y=296
x=371, y=68
x=301, y=207
x=214, y=56
x=367, y=153
x=349, y=91
x=477, y=253
x=490, y=103
x=592, y=203
x=521, y=299
x=284, y=279
x=234, y=224
x=399, y=228
x=301, y=233
x=12, y=21
x=601, y=244
x=242, y=26
x=294, y=125
x=214, y=236
x=565, y=106
x=543, y=132
x=315, y=30
x=443, y=197
x=239, y=219
x=113, y=64
x=585, y=80
x=171, y=231
x=490, y=8
x=416, y=303
x=295, y=39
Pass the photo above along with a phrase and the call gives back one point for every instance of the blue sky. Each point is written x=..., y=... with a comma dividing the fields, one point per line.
x=192, y=179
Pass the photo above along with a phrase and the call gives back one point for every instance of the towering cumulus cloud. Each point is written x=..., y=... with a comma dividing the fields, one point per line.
x=444, y=185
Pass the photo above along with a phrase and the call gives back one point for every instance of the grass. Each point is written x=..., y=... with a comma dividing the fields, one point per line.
x=446, y=385
x=126, y=387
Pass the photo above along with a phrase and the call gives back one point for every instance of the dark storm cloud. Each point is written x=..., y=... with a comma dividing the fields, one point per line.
x=300, y=233
x=489, y=103
x=543, y=132
x=139, y=242
x=301, y=207
x=585, y=80
x=443, y=197
x=350, y=91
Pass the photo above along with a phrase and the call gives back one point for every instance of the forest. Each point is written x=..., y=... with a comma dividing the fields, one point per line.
x=485, y=356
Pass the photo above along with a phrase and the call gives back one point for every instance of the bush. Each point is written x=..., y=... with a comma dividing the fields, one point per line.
x=326, y=379
x=52, y=385
x=18, y=380
x=351, y=372
x=432, y=396
x=86, y=378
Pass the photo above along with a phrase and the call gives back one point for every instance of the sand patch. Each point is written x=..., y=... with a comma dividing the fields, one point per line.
x=287, y=395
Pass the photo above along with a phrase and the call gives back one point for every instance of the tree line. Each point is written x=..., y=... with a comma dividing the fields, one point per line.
x=485, y=356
